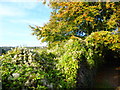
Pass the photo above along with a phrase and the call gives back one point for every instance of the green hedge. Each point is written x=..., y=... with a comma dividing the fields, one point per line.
x=56, y=67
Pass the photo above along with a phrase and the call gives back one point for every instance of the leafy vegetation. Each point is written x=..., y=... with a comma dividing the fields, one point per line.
x=78, y=19
x=77, y=32
x=24, y=68
x=57, y=67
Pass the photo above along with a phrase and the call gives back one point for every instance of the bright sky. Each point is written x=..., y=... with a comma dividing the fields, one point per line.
x=15, y=18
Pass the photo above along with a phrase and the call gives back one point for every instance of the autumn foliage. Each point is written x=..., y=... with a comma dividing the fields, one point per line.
x=78, y=19
x=78, y=34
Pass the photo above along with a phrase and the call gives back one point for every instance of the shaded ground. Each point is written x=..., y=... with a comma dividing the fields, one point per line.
x=108, y=77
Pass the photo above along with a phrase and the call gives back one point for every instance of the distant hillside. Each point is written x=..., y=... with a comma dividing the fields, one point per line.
x=5, y=49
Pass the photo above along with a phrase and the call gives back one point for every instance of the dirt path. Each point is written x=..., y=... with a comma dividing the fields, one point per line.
x=108, y=77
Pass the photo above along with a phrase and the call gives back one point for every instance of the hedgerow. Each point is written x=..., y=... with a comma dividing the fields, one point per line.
x=56, y=67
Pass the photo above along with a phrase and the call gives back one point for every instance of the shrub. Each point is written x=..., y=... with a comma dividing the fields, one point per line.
x=22, y=68
x=101, y=42
x=59, y=66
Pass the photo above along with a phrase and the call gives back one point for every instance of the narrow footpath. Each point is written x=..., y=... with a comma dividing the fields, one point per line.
x=108, y=77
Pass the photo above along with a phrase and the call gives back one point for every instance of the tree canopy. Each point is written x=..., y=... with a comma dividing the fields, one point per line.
x=78, y=19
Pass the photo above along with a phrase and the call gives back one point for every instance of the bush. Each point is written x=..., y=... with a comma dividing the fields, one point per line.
x=59, y=66
x=91, y=51
x=101, y=42
x=24, y=68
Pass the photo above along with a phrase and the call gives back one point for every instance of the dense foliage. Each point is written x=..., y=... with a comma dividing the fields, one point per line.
x=68, y=57
x=90, y=50
x=25, y=69
x=77, y=32
x=100, y=42
x=56, y=67
x=78, y=19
